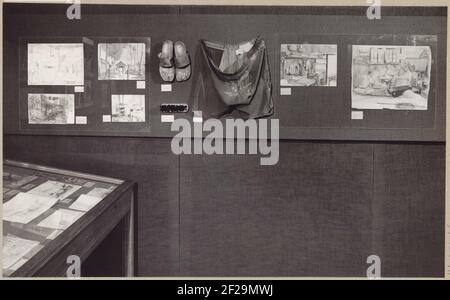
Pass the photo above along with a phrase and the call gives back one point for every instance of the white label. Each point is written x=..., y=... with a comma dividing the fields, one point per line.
x=106, y=118
x=285, y=91
x=244, y=48
x=167, y=118
x=140, y=85
x=197, y=119
x=79, y=89
x=357, y=115
x=166, y=87
x=80, y=120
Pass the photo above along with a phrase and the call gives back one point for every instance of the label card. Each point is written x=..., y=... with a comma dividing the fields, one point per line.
x=357, y=115
x=106, y=118
x=166, y=87
x=140, y=84
x=79, y=89
x=285, y=91
x=167, y=118
x=80, y=120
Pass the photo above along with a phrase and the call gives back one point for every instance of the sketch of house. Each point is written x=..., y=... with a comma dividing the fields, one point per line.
x=308, y=65
x=55, y=64
x=121, y=61
x=51, y=109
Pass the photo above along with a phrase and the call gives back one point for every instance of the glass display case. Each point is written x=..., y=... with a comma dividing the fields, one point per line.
x=45, y=208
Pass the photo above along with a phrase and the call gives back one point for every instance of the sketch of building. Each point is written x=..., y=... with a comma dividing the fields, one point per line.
x=128, y=108
x=55, y=64
x=390, y=77
x=51, y=109
x=308, y=65
x=121, y=61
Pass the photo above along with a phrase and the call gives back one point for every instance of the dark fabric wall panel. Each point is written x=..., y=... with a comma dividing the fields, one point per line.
x=409, y=197
x=320, y=212
x=149, y=162
x=310, y=215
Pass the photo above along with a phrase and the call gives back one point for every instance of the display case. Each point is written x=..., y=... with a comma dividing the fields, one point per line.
x=52, y=214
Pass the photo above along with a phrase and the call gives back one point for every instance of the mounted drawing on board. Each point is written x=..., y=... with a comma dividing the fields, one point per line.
x=121, y=61
x=308, y=65
x=128, y=108
x=390, y=77
x=51, y=109
x=55, y=64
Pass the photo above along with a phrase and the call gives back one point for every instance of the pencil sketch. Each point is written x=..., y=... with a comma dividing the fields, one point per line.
x=308, y=65
x=55, y=64
x=128, y=108
x=55, y=189
x=121, y=61
x=51, y=109
x=390, y=77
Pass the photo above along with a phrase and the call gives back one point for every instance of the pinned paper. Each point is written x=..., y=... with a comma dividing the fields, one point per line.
x=167, y=118
x=106, y=118
x=357, y=115
x=285, y=91
x=79, y=89
x=80, y=120
x=166, y=87
x=140, y=84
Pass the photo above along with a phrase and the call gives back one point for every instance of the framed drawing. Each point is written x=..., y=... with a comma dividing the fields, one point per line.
x=55, y=64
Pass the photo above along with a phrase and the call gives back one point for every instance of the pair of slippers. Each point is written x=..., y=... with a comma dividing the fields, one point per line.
x=174, y=62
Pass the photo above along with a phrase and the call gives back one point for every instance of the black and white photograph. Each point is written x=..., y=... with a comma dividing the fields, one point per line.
x=121, y=61
x=128, y=108
x=51, y=108
x=55, y=64
x=308, y=65
x=219, y=143
x=390, y=77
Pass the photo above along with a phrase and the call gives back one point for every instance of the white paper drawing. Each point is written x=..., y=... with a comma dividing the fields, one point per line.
x=55, y=64
x=128, y=108
x=61, y=219
x=390, y=77
x=55, y=189
x=14, y=249
x=51, y=109
x=99, y=192
x=308, y=65
x=24, y=207
x=121, y=61
x=85, y=202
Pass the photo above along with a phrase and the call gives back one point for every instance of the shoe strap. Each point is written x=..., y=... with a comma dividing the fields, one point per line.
x=182, y=63
x=165, y=62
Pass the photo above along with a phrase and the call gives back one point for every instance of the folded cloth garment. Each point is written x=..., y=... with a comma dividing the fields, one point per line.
x=240, y=77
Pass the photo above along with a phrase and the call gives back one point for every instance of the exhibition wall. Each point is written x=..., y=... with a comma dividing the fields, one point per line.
x=343, y=188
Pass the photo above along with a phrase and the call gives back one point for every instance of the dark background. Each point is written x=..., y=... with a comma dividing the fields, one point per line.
x=321, y=211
